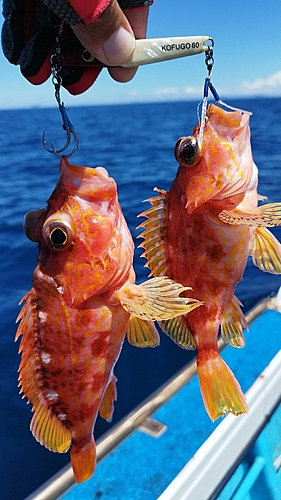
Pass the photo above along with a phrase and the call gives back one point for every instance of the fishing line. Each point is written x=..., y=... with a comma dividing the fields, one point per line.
x=56, y=68
x=209, y=61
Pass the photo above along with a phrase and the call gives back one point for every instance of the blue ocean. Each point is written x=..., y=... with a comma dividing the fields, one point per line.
x=135, y=144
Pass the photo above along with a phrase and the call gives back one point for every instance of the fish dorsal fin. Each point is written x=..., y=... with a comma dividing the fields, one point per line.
x=142, y=333
x=107, y=404
x=156, y=299
x=153, y=235
x=45, y=425
x=233, y=323
x=177, y=330
x=264, y=216
x=266, y=251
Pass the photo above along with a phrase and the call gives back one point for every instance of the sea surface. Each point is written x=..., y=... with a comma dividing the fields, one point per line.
x=135, y=143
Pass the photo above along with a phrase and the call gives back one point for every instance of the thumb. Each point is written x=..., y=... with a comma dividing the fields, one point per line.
x=110, y=39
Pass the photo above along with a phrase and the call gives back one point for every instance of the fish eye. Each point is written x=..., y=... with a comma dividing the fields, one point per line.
x=58, y=237
x=187, y=151
x=58, y=231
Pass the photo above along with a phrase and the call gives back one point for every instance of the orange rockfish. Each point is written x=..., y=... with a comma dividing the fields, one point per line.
x=82, y=302
x=204, y=228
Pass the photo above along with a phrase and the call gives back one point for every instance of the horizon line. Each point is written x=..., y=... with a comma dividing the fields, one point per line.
x=130, y=103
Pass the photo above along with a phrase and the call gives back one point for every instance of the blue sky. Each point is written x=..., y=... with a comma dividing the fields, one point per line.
x=247, y=58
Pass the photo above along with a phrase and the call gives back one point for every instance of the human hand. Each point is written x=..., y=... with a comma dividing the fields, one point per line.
x=111, y=39
x=30, y=35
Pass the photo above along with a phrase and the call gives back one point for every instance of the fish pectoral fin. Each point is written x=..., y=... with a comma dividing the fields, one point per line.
x=233, y=323
x=156, y=299
x=142, y=333
x=107, y=405
x=266, y=251
x=48, y=430
x=178, y=331
x=220, y=390
x=264, y=216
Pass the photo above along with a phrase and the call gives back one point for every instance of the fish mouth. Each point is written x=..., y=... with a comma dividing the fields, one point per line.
x=233, y=119
x=226, y=168
x=100, y=172
x=89, y=183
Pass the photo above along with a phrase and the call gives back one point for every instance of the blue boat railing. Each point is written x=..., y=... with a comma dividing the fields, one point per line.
x=238, y=452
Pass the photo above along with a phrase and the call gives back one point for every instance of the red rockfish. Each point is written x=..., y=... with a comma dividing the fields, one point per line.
x=82, y=302
x=204, y=228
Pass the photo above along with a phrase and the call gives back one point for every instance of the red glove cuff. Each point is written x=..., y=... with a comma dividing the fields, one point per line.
x=89, y=11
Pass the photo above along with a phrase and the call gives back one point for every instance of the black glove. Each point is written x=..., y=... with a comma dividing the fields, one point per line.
x=29, y=36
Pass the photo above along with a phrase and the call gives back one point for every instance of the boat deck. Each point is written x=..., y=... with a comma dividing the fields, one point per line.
x=145, y=464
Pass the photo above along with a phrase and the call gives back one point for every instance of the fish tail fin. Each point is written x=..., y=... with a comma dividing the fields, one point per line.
x=83, y=460
x=220, y=390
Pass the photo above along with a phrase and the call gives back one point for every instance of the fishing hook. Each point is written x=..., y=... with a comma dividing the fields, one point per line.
x=209, y=61
x=66, y=123
x=68, y=127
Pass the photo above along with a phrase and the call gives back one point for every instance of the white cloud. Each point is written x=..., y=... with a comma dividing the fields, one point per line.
x=167, y=91
x=179, y=92
x=193, y=91
x=270, y=86
x=265, y=86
